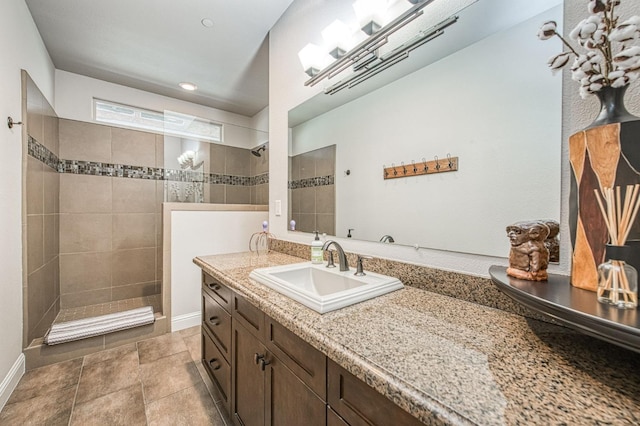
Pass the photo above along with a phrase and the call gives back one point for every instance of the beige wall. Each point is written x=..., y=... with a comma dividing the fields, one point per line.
x=110, y=227
x=233, y=161
x=41, y=288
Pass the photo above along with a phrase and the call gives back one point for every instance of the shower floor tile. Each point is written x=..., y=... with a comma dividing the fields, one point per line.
x=82, y=312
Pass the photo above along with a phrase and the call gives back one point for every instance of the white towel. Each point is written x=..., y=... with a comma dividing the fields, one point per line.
x=96, y=326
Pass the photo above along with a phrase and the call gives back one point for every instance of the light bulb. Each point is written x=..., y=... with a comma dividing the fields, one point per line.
x=337, y=37
x=313, y=59
x=371, y=14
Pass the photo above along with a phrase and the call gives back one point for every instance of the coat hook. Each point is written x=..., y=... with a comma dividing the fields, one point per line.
x=437, y=162
x=395, y=172
x=404, y=169
x=450, y=163
x=386, y=173
x=426, y=168
x=12, y=123
x=414, y=166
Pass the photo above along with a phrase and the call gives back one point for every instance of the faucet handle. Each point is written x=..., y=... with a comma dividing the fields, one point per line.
x=330, y=263
x=359, y=269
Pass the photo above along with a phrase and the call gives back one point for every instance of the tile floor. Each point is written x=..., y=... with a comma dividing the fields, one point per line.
x=158, y=381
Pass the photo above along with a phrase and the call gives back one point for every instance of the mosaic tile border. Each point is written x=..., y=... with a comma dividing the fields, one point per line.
x=311, y=182
x=43, y=154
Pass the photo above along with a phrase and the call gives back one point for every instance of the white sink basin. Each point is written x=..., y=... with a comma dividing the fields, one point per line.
x=324, y=289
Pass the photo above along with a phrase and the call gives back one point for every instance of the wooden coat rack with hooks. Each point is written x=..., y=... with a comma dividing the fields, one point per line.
x=424, y=167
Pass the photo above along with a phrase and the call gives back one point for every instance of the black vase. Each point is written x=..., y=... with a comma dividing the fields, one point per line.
x=612, y=109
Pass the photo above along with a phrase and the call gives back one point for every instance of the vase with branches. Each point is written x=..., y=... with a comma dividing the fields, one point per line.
x=609, y=56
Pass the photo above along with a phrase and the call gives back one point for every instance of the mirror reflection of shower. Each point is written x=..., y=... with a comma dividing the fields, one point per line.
x=185, y=183
x=189, y=160
x=258, y=150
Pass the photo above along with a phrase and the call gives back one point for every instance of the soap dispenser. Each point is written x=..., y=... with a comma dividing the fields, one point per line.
x=316, y=250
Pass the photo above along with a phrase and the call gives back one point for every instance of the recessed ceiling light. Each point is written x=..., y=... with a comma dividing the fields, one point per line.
x=207, y=22
x=188, y=86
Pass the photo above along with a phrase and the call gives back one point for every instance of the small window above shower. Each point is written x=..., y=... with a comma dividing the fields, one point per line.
x=167, y=122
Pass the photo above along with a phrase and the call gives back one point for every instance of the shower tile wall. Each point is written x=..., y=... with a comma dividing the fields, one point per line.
x=260, y=170
x=110, y=227
x=41, y=286
x=93, y=209
x=312, y=190
x=230, y=162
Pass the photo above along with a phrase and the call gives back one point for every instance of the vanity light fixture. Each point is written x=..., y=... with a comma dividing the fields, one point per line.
x=313, y=59
x=188, y=86
x=337, y=37
x=364, y=57
x=371, y=14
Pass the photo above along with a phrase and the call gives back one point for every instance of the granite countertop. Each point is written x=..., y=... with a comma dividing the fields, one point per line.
x=450, y=361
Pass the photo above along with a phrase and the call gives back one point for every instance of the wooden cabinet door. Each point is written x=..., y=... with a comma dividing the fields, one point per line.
x=288, y=400
x=360, y=405
x=306, y=362
x=334, y=419
x=247, y=383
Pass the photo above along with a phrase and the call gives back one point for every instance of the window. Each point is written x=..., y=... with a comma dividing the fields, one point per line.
x=169, y=122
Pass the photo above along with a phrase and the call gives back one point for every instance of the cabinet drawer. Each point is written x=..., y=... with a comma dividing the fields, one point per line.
x=358, y=404
x=249, y=316
x=217, y=367
x=218, y=321
x=220, y=292
x=308, y=363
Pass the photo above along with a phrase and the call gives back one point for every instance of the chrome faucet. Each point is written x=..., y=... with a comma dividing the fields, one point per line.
x=387, y=239
x=342, y=258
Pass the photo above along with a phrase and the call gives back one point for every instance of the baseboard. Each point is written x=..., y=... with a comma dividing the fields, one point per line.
x=181, y=322
x=11, y=380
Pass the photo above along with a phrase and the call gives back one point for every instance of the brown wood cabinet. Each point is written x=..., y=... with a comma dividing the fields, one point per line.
x=248, y=364
x=218, y=368
x=267, y=375
x=358, y=404
x=265, y=388
x=216, y=335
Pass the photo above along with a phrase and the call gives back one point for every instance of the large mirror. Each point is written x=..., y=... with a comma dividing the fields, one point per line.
x=490, y=101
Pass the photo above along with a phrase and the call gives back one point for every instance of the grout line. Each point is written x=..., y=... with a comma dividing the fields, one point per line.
x=144, y=399
x=75, y=396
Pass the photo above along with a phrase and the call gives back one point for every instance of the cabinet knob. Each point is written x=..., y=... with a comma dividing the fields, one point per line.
x=212, y=319
x=263, y=363
x=215, y=365
x=214, y=286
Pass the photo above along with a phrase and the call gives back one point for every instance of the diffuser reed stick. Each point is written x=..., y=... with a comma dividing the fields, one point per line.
x=619, y=216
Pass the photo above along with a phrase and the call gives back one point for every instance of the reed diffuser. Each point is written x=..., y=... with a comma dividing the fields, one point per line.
x=617, y=280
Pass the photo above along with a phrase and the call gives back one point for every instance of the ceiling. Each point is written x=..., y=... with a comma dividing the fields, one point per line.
x=153, y=45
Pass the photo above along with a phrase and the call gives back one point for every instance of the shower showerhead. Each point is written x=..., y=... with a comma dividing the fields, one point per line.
x=257, y=151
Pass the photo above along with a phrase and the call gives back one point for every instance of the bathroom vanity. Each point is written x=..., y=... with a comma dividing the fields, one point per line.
x=407, y=357
x=268, y=375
